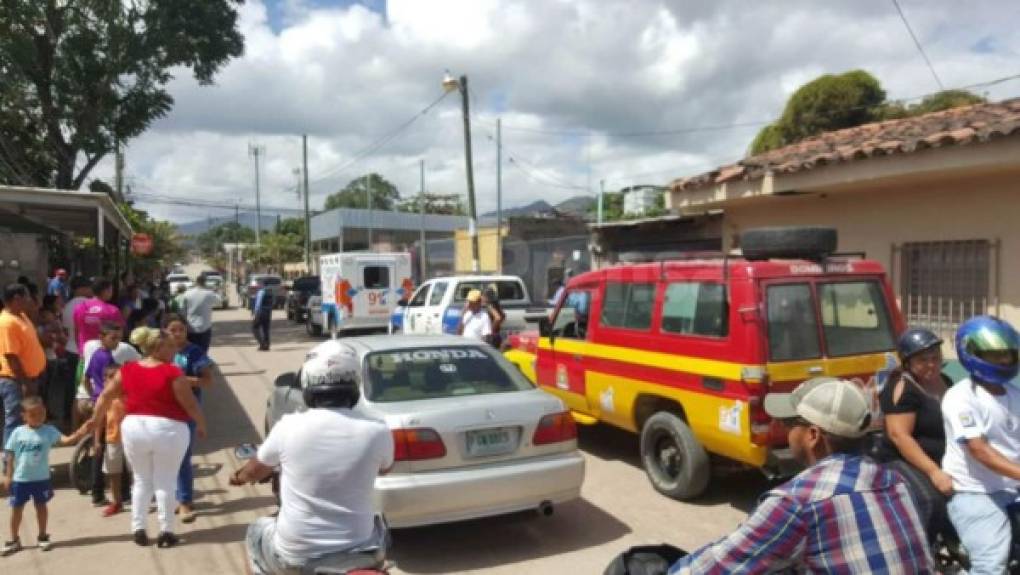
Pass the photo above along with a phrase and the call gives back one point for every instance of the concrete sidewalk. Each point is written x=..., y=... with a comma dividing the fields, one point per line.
x=85, y=543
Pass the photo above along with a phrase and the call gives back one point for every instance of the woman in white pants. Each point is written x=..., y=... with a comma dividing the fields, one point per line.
x=158, y=403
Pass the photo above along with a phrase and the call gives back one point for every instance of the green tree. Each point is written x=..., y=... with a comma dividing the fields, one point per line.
x=79, y=76
x=166, y=244
x=833, y=102
x=936, y=102
x=210, y=242
x=355, y=194
x=829, y=102
x=445, y=204
x=276, y=250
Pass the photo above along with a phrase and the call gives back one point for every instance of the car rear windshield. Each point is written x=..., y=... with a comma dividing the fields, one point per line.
x=306, y=284
x=213, y=281
x=436, y=372
x=854, y=318
x=180, y=278
x=270, y=281
x=508, y=290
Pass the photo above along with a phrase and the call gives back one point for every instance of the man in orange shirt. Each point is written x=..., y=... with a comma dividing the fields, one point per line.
x=22, y=359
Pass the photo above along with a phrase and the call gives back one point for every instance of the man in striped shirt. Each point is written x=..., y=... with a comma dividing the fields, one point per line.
x=843, y=514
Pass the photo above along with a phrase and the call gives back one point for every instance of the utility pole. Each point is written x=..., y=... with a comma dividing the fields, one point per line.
x=255, y=151
x=308, y=221
x=236, y=260
x=602, y=192
x=371, y=218
x=499, y=195
x=118, y=165
x=473, y=221
x=421, y=241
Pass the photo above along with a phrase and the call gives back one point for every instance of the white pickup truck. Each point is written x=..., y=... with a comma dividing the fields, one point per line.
x=436, y=306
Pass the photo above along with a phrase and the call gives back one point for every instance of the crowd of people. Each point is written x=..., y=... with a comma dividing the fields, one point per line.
x=110, y=362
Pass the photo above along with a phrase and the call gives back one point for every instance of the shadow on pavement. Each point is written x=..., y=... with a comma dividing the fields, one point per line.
x=737, y=486
x=226, y=418
x=507, y=539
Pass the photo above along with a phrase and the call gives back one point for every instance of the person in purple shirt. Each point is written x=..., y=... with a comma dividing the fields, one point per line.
x=95, y=380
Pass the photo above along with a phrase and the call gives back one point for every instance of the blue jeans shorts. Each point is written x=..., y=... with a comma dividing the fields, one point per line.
x=38, y=491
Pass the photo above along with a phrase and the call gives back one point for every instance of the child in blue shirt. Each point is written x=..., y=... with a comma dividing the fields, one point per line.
x=28, y=468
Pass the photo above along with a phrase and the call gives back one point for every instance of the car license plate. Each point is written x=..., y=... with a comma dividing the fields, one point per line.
x=496, y=441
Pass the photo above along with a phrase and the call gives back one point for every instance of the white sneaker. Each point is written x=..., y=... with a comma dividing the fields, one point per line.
x=11, y=547
x=44, y=543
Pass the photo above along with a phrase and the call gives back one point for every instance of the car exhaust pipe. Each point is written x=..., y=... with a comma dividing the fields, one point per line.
x=546, y=508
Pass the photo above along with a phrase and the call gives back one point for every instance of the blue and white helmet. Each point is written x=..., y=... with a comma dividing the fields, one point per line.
x=987, y=347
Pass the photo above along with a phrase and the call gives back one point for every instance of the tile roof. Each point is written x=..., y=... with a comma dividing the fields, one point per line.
x=957, y=126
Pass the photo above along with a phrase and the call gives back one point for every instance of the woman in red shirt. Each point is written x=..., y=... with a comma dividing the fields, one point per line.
x=158, y=403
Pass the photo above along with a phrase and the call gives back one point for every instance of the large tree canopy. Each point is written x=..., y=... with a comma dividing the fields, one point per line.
x=833, y=102
x=356, y=193
x=79, y=76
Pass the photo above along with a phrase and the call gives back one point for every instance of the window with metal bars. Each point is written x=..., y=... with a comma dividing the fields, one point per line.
x=944, y=283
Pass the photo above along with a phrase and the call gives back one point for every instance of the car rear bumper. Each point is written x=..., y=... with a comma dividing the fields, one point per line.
x=413, y=499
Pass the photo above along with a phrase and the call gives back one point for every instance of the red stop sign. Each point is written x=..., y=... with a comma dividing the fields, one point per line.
x=141, y=244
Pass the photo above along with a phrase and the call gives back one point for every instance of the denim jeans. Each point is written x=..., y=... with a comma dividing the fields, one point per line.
x=10, y=396
x=186, y=475
x=981, y=521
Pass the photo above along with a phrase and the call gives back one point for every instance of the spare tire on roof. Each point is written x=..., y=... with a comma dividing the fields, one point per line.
x=807, y=242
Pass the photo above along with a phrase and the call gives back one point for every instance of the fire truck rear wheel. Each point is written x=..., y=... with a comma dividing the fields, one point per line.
x=675, y=462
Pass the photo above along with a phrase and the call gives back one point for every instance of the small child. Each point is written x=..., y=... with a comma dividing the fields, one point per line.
x=113, y=454
x=28, y=469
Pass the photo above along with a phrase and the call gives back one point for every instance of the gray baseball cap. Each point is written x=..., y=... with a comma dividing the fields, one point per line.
x=835, y=405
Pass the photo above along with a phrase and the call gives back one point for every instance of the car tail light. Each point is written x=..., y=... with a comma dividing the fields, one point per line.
x=761, y=423
x=554, y=428
x=417, y=444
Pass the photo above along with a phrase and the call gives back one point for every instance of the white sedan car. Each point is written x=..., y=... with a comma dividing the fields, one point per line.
x=473, y=437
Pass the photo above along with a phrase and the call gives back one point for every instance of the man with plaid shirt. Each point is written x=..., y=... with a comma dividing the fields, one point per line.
x=843, y=514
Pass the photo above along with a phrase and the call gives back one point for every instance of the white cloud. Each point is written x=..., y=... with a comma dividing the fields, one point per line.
x=347, y=75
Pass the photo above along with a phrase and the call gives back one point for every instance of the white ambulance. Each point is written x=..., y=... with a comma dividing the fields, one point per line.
x=361, y=289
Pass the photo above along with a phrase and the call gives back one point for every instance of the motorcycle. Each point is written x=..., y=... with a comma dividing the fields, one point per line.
x=951, y=557
x=645, y=560
x=367, y=562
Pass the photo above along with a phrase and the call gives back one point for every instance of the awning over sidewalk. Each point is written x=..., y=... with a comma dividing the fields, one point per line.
x=73, y=213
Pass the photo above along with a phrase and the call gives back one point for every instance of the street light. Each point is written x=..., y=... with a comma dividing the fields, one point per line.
x=450, y=84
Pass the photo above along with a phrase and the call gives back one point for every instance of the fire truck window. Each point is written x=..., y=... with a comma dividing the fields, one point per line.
x=572, y=320
x=695, y=308
x=793, y=326
x=628, y=305
x=854, y=318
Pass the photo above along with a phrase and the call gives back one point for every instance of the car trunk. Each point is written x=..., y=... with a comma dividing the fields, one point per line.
x=478, y=430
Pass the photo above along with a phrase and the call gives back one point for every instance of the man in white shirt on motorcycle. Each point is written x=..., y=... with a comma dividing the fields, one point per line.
x=982, y=421
x=329, y=457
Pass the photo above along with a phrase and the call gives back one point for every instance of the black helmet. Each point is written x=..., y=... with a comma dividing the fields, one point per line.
x=914, y=341
x=329, y=377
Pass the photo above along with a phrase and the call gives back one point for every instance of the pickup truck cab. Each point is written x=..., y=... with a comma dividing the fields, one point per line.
x=683, y=352
x=436, y=306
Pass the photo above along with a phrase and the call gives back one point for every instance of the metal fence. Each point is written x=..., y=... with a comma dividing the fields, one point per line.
x=944, y=283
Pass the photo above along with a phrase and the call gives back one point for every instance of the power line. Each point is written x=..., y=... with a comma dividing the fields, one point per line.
x=917, y=43
x=209, y=204
x=376, y=145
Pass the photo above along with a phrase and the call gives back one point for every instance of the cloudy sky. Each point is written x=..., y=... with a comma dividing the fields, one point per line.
x=578, y=84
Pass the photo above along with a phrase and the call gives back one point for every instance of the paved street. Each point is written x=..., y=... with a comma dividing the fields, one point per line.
x=618, y=508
